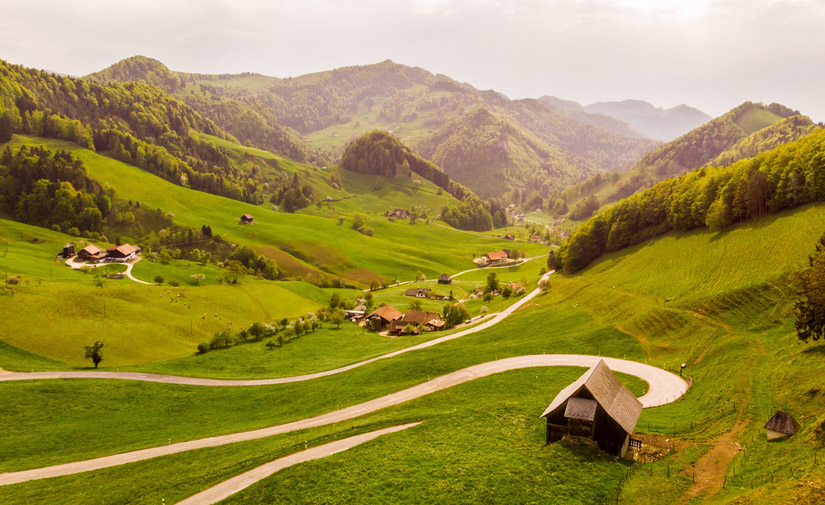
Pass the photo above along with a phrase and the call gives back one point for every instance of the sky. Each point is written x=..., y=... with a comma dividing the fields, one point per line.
x=710, y=54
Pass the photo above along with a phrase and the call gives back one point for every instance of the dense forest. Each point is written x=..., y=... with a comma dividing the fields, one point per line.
x=52, y=190
x=716, y=197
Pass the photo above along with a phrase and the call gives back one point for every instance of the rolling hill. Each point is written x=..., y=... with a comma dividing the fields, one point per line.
x=331, y=109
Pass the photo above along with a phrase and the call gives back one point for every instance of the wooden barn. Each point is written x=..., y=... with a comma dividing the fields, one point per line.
x=91, y=253
x=416, y=318
x=781, y=425
x=445, y=279
x=67, y=252
x=382, y=317
x=417, y=292
x=123, y=252
x=247, y=219
x=598, y=408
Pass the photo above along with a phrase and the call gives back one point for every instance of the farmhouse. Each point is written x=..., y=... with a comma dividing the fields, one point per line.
x=781, y=425
x=382, y=317
x=445, y=279
x=417, y=292
x=416, y=318
x=91, y=253
x=597, y=408
x=247, y=219
x=495, y=257
x=123, y=252
x=509, y=236
x=535, y=238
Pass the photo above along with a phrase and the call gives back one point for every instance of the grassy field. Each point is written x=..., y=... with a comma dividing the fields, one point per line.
x=297, y=241
x=721, y=303
x=756, y=119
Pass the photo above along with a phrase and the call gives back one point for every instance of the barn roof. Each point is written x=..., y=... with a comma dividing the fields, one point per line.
x=444, y=277
x=782, y=422
x=125, y=249
x=581, y=408
x=248, y=217
x=416, y=291
x=497, y=255
x=420, y=317
x=387, y=312
x=91, y=249
x=615, y=399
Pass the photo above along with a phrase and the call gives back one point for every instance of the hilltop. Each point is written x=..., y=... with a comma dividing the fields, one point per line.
x=331, y=109
x=741, y=133
x=653, y=122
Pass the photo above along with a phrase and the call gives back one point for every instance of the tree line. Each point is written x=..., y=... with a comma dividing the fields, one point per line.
x=715, y=197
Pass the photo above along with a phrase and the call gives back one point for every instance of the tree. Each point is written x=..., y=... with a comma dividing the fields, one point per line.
x=492, y=283
x=95, y=352
x=507, y=291
x=270, y=344
x=335, y=300
x=810, y=309
x=544, y=285
x=6, y=127
x=718, y=216
x=455, y=315
x=158, y=279
x=415, y=305
x=419, y=276
x=408, y=330
x=551, y=260
x=337, y=317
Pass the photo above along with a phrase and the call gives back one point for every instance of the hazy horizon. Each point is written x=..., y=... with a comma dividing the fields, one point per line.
x=712, y=55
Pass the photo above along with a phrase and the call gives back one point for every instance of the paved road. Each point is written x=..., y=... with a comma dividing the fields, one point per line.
x=194, y=381
x=665, y=387
x=229, y=487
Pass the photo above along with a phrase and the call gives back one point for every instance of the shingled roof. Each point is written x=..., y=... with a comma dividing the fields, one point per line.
x=615, y=399
x=782, y=422
x=387, y=312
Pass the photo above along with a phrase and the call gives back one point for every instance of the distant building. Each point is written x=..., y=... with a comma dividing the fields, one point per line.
x=417, y=318
x=67, y=252
x=91, y=253
x=509, y=236
x=399, y=213
x=495, y=257
x=535, y=238
x=781, y=425
x=123, y=252
x=247, y=219
x=445, y=279
x=597, y=408
x=417, y=292
x=381, y=319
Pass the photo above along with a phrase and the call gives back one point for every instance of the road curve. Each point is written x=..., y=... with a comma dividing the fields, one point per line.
x=195, y=381
x=665, y=387
x=240, y=482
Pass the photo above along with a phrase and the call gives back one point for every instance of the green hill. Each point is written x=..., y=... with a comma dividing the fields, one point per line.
x=332, y=109
x=741, y=133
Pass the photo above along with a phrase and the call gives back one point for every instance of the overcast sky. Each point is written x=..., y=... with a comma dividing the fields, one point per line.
x=709, y=54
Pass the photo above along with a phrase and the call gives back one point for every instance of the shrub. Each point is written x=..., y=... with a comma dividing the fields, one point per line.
x=174, y=283
x=158, y=279
x=203, y=348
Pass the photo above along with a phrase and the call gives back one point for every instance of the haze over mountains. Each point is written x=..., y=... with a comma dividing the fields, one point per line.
x=482, y=139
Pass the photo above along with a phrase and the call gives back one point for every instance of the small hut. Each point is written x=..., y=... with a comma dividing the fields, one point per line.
x=445, y=279
x=781, y=425
x=68, y=251
x=596, y=408
x=247, y=219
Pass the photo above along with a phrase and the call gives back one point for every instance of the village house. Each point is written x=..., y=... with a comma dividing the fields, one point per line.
x=417, y=318
x=596, y=408
x=398, y=213
x=91, y=253
x=445, y=279
x=495, y=257
x=509, y=236
x=417, y=292
x=535, y=238
x=247, y=219
x=122, y=253
x=781, y=425
x=382, y=317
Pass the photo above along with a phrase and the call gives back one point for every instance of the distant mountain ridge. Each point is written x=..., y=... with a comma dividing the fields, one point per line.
x=653, y=122
x=319, y=114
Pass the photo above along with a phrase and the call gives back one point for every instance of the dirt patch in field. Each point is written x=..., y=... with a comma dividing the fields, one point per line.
x=711, y=468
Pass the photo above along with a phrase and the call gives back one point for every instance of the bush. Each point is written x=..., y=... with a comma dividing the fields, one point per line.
x=203, y=348
x=174, y=283
x=158, y=279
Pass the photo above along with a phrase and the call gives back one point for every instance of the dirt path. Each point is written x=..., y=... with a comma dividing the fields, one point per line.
x=240, y=482
x=665, y=387
x=710, y=470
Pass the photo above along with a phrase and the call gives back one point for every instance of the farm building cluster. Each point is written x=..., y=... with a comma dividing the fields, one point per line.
x=92, y=253
x=391, y=320
x=495, y=258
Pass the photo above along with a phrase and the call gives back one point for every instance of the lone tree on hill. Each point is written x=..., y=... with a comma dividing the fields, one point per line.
x=337, y=318
x=810, y=310
x=95, y=352
x=492, y=283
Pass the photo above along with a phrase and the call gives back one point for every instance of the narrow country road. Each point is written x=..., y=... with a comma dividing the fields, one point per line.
x=665, y=387
x=194, y=381
x=240, y=482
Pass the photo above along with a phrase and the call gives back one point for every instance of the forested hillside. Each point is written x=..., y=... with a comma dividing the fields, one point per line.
x=715, y=197
x=741, y=133
x=332, y=109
